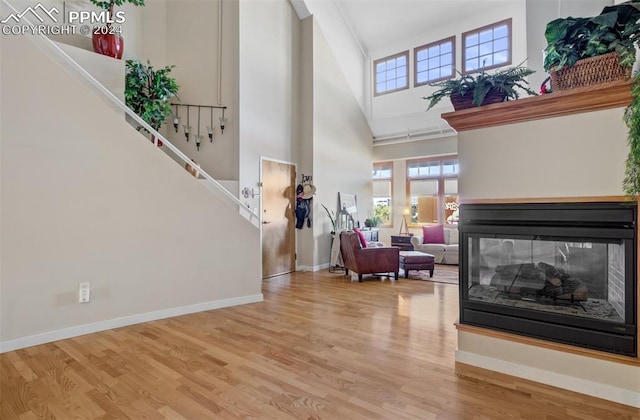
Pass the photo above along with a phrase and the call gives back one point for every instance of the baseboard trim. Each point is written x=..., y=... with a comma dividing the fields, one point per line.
x=313, y=268
x=49, y=336
x=571, y=383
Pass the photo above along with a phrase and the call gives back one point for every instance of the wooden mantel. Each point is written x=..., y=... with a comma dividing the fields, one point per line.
x=556, y=104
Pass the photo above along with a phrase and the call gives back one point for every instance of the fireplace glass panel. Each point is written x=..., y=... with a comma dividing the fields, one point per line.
x=579, y=279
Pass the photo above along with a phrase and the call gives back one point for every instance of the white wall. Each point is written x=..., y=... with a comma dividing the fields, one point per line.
x=349, y=52
x=85, y=203
x=268, y=87
x=404, y=111
x=342, y=151
x=573, y=156
x=185, y=34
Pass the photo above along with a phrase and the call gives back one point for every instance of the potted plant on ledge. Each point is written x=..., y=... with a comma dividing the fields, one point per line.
x=147, y=92
x=589, y=50
x=470, y=90
x=106, y=39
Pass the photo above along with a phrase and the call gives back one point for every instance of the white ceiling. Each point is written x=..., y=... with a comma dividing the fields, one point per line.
x=382, y=22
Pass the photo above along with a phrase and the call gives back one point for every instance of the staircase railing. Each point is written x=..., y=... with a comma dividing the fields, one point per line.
x=56, y=53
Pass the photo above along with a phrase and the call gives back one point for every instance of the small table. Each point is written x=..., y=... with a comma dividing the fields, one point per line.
x=402, y=241
x=415, y=260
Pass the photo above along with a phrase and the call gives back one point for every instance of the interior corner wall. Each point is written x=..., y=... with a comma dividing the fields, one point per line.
x=351, y=58
x=342, y=144
x=89, y=199
x=185, y=34
x=305, y=237
x=268, y=87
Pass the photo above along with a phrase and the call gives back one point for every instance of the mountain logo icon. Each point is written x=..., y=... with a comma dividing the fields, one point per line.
x=34, y=11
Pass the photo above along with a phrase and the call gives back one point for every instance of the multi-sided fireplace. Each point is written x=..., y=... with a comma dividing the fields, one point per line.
x=560, y=272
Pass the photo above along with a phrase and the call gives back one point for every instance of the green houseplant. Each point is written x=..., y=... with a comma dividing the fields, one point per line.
x=615, y=29
x=590, y=50
x=469, y=90
x=106, y=39
x=147, y=92
x=631, y=182
x=372, y=221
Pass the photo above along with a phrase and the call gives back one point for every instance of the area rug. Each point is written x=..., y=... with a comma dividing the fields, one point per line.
x=441, y=274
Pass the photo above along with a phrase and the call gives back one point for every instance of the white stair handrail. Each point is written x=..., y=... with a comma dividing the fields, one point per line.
x=53, y=48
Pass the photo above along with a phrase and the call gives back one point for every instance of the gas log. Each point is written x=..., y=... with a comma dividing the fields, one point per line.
x=545, y=280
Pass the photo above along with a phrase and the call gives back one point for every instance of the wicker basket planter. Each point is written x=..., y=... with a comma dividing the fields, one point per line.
x=463, y=102
x=590, y=71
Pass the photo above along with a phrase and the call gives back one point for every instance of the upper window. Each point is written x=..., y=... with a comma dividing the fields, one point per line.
x=391, y=73
x=382, y=192
x=487, y=47
x=434, y=62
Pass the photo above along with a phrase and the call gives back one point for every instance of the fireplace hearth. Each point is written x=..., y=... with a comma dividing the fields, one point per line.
x=561, y=272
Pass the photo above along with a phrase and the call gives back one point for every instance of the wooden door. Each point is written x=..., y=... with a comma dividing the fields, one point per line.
x=278, y=219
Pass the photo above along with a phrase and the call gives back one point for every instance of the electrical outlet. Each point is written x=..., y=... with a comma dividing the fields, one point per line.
x=84, y=292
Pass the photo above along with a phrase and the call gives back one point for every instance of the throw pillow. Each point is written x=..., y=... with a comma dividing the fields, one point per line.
x=363, y=240
x=433, y=234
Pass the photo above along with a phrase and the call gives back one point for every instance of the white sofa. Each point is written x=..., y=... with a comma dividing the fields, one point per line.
x=445, y=253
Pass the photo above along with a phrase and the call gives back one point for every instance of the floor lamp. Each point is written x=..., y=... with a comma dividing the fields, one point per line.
x=404, y=224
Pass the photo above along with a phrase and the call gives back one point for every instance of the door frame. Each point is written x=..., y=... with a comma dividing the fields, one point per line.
x=295, y=233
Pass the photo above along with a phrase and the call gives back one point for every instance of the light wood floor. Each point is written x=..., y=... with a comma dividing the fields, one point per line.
x=318, y=347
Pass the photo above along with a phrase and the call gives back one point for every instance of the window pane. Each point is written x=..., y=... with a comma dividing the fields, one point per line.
x=422, y=77
x=380, y=67
x=486, y=36
x=422, y=66
x=489, y=42
x=401, y=72
x=401, y=61
x=382, y=189
x=434, y=74
x=501, y=31
x=501, y=44
x=434, y=62
x=391, y=64
x=380, y=87
x=382, y=192
x=391, y=74
x=500, y=58
x=434, y=51
x=401, y=82
x=381, y=77
x=391, y=85
x=446, y=59
x=422, y=54
x=449, y=166
x=424, y=201
x=446, y=48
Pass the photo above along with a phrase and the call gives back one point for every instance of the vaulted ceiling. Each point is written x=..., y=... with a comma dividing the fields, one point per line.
x=381, y=22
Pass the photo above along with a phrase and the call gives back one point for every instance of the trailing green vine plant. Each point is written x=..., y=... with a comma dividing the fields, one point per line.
x=631, y=182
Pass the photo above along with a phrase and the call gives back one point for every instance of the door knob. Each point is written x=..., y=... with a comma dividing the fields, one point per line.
x=264, y=222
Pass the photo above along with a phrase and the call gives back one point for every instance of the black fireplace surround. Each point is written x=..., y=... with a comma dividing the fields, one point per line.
x=561, y=272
